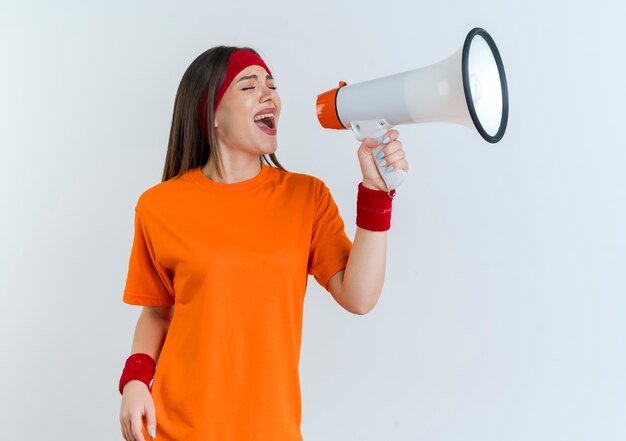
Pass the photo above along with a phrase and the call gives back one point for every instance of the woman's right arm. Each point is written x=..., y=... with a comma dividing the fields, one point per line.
x=151, y=329
x=150, y=333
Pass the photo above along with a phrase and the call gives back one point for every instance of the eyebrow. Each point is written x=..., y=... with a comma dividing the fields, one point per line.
x=248, y=77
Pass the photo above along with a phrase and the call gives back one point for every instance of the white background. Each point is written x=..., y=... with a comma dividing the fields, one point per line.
x=503, y=311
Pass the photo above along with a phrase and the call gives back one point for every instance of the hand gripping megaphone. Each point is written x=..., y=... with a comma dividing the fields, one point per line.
x=468, y=88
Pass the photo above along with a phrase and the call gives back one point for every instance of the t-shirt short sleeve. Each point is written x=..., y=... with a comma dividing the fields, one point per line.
x=330, y=246
x=148, y=283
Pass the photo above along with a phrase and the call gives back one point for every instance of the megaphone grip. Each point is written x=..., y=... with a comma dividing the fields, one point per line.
x=374, y=129
x=393, y=178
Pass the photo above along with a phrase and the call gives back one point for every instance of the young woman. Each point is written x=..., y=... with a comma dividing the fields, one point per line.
x=220, y=258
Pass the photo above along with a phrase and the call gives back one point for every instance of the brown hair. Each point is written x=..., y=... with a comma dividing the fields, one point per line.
x=188, y=147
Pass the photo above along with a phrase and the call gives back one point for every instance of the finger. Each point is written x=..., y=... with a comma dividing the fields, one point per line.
x=386, y=139
x=128, y=435
x=371, y=143
x=392, y=134
x=399, y=164
x=125, y=428
x=128, y=427
x=394, y=164
x=150, y=418
x=392, y=147
x=393, y=157
x=136, y=427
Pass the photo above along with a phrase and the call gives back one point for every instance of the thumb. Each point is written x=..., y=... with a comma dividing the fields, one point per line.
x=370, y=143
x=151, y=419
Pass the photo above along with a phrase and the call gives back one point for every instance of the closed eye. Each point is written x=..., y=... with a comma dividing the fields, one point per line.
x=252, y=87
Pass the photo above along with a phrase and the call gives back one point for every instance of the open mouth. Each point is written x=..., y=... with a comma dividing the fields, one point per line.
x=266, y=120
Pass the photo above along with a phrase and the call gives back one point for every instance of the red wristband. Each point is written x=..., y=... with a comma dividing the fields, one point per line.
x=138, y=367
x=373, y=208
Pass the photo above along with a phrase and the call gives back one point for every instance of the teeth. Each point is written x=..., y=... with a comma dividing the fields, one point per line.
x=260, y=117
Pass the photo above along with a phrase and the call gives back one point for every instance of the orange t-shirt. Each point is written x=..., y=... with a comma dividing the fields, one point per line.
x=234, y=259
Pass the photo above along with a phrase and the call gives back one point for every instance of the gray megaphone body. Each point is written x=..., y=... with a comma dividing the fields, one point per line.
x=468, y=88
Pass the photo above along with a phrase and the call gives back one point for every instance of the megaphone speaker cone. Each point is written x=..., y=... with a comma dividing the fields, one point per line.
x=485, y=86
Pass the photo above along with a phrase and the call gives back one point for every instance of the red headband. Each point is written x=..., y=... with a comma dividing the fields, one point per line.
x=238, y=61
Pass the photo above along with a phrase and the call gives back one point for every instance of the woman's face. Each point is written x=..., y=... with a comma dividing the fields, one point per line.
x=250, y=95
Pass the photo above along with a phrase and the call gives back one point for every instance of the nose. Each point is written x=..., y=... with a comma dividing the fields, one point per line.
x=268, y=93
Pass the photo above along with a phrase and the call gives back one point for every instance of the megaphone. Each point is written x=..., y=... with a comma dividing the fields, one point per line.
x=468, y=88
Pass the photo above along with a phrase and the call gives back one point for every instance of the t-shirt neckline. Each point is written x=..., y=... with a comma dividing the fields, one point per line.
x=196, y=175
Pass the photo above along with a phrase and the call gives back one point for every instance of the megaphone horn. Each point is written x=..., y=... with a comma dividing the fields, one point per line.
x=468, y=88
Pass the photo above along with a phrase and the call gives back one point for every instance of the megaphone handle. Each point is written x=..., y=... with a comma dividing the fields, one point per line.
x=375, y=129
x=393, y=178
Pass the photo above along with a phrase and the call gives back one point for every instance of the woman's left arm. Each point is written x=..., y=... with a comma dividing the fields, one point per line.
x=358, y=287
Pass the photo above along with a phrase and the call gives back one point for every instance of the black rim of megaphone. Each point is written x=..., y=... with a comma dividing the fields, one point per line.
x=466, y=85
